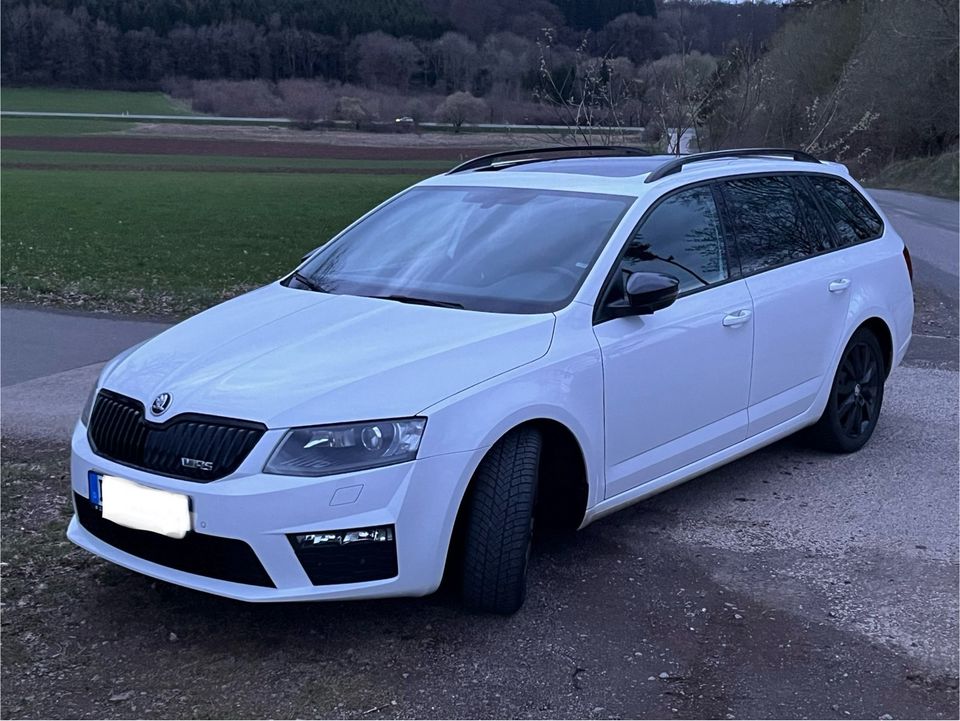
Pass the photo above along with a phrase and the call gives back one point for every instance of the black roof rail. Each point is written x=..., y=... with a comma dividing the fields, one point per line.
x=675, y=165
x=489, y=162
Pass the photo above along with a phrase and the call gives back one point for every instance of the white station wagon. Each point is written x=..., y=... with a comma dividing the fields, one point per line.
x=541, y=335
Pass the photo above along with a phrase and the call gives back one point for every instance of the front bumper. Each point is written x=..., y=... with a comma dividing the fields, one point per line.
x=419, y=499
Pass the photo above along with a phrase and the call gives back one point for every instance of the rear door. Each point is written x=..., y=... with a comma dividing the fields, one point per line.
x=800, y=291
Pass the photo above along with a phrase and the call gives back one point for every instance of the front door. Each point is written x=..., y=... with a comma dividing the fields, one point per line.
x=676, y=383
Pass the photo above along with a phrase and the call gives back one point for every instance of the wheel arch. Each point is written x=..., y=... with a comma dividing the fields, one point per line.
x=563, y=484
x=881, y=330
x=563, y=466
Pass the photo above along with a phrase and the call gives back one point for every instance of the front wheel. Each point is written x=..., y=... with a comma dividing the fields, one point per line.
x=499, y=524
x=855, y=398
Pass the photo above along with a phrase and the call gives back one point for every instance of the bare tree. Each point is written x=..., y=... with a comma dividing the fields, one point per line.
x=460, y=108
x=506, y=61
x=383, y=60
x=351, y=109
x=587, y=94
x=454, y=60
x=678, y=89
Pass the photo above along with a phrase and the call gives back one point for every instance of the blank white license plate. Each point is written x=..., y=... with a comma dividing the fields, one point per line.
x=147, y=509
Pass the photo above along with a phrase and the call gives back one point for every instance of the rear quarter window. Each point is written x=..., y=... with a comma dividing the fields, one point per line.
x=849, y=213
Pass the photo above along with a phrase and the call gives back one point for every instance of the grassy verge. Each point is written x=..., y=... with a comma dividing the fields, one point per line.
x=67, y=100
x=936, y=176
x=167, y=243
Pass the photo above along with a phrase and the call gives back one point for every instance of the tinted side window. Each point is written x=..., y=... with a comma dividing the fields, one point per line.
x=850, y=214
x=767, y=221
x=681, y=237
x=817, y=226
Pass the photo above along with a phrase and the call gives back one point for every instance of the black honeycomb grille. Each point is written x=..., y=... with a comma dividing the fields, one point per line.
x=119, y=431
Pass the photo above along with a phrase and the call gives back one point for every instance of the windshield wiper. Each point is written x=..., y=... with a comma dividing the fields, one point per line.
x=419, y=301
x=309, y=282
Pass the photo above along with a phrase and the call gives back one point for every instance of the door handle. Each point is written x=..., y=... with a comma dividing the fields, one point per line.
x=839, y=285
x=737, y=318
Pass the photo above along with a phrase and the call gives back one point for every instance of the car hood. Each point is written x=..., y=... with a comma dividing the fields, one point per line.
x=288, y=357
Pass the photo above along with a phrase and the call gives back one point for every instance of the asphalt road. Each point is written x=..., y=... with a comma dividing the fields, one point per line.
x=788, y=584
x=929, y=227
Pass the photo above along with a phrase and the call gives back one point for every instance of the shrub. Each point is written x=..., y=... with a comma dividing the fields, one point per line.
x=238, y=98
x=353, y=110
x=304, y=102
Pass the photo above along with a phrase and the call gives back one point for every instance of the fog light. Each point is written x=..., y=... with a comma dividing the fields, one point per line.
x=324, y=539
x=350, y=555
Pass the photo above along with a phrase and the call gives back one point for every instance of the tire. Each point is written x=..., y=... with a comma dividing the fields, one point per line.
x=499, y=524
x=856, y=397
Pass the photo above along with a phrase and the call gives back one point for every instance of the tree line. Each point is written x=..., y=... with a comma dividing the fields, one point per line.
x=475, y=46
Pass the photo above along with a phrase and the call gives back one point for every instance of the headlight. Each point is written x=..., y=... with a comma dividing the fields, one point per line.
x=88, y=406
x=323, y=450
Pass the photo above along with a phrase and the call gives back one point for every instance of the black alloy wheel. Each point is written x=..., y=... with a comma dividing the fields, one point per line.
x=858, y=390
x=855, y=398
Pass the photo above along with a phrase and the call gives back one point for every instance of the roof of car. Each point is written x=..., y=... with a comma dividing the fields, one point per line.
x=625, y=175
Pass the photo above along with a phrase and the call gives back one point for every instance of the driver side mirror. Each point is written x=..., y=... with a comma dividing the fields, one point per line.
x=646, y=293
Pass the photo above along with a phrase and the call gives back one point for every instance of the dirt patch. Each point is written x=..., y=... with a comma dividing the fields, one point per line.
x=935, y=313
x=281, y=142
x=261, y=148
x=487, y=141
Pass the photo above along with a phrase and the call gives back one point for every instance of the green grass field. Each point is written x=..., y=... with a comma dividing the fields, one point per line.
x=167, y=243
x=148, y=233
x=86, y=232
x=112, y=160
x=59, y=126
x=60, y=100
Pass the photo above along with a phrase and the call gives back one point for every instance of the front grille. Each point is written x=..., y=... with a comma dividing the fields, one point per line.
x=226, y=559
x=120, y=431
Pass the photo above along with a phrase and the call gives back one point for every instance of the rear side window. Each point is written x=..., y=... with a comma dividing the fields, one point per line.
x=768, y=223
x=816, y=222
x=851, y=215
x=681, y=237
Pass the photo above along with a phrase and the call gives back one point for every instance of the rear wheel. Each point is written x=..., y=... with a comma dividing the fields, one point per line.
x=499, y=524
x=855, y=398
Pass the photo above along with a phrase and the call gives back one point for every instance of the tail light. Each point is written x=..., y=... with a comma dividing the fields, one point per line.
x=908, y=261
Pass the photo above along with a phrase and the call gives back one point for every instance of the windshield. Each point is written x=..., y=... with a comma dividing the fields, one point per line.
x=505, y=250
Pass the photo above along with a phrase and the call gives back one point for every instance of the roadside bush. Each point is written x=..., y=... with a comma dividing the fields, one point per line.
x=304, y=102
x=177, y=86
x=238, y=98
x=312, y=103
x=417, y=109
